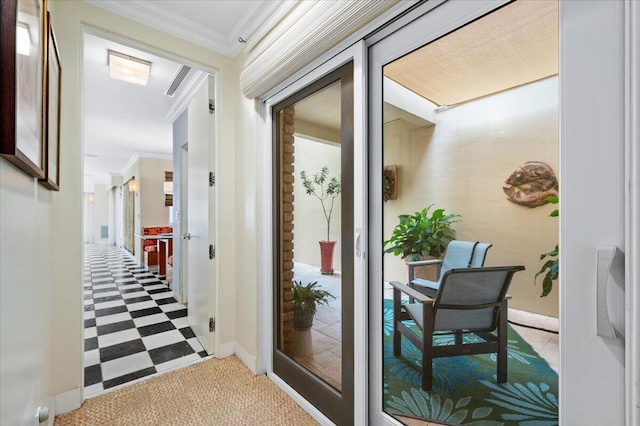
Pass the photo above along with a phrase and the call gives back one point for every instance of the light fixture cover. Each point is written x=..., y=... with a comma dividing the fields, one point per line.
x=127, y=68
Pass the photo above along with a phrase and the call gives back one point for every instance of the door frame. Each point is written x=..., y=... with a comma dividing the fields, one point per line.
x=95, y=31
x=266, y=271
x=624, y=28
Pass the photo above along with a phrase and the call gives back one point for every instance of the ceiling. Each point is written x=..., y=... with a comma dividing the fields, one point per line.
x=515, y=45
x=122, y=119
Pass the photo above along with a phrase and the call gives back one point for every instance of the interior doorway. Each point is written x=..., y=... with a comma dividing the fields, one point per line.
x=134, y=325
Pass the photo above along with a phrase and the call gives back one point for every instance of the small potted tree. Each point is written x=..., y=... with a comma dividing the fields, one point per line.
x=306, y=297
x=326, y=191
x=421, y=236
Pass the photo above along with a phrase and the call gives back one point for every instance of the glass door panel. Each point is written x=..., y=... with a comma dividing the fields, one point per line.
x=475, y=138
x=313, y=283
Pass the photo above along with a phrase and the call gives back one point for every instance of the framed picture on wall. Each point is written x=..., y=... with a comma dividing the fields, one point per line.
x=22, y=88
x=52, y=112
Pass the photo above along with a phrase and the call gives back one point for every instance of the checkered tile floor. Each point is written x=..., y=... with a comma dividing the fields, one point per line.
x=133, y=327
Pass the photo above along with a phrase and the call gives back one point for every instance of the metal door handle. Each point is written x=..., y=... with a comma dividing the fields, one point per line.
x=186, y=236
x=610, y=261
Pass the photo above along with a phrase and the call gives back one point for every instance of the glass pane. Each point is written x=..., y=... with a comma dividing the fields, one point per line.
x=309, y=240
x=470, y=154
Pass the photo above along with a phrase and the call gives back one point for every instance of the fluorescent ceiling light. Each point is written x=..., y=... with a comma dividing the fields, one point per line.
x=127, y=68
x=23, y=42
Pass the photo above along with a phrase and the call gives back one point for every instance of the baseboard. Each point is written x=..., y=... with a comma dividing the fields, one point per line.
x=225, y=349
x=249, y=360
x=68, y=401
x=178, y=296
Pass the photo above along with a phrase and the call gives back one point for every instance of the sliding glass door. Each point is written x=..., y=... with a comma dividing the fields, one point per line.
x=313, y=243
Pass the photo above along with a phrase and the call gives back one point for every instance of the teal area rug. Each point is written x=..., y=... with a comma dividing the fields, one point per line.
x=465, y=390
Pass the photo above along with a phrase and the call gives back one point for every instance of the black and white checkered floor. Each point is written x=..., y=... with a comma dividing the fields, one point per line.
x=133, y=327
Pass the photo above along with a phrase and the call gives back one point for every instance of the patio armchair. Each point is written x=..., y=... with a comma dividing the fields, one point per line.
x=459, y=254
x=469, y=300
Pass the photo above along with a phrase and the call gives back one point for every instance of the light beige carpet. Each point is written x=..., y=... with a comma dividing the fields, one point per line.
x=212, y=392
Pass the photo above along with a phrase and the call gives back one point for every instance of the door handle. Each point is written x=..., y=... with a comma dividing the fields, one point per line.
x=609, y=266
x=186, y=236
x=358, y=236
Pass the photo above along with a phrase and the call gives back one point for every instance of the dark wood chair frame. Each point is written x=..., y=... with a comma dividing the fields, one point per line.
x=493, y=343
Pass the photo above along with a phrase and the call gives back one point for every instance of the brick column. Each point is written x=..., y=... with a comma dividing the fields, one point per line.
x=287, y=171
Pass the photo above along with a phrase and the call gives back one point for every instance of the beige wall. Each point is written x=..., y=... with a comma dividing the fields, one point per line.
x=26, y=291
x=153, y=212
x=100, y=213
x=68, y=17
x=246, y=223
x=460, y=165
x=309, y=221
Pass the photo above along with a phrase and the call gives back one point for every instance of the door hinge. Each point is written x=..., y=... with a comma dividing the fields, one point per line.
x=212, y=178
x=212, y=325
x=212, y=106
x=212, y=252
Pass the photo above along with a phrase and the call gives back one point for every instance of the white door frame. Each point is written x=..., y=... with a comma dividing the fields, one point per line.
x=355, y=54
x=632, y=153
x=618, y=106
x=88, y=29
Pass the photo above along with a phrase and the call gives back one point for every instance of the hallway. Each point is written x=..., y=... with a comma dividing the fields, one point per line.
x=133, y=327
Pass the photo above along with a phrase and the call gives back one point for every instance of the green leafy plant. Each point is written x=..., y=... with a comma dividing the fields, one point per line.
x=325, y=193
x=551, y=266
x=308, y=296
x=421, y=234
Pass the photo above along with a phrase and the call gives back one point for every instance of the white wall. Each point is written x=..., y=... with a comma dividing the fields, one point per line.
x=179, y=139
x=100, y=213
x=461, y=163
x=309, y=221
x=88, y=217
x=246, y=225
x=68, y=17
x=26, y=294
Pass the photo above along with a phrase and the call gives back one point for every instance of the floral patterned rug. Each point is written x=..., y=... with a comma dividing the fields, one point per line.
x=465, y=390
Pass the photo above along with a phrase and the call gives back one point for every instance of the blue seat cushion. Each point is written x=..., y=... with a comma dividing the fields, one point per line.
x=426, y=283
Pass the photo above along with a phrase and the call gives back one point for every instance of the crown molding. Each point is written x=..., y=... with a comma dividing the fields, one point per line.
x=138, y=155
x=184, y=97
x=189, y=30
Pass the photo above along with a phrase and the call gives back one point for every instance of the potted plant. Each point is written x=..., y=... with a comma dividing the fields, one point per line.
x=326, y=190
x=306, y=297
x=551, y=266
x=422, y=235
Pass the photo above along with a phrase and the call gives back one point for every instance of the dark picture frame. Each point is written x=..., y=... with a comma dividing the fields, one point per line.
x=52, y=111
x=22, y=88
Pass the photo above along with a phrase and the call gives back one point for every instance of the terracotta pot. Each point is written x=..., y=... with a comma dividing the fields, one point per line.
x=326, y=257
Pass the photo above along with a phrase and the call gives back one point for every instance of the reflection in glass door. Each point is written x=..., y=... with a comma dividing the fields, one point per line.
x=313, y=243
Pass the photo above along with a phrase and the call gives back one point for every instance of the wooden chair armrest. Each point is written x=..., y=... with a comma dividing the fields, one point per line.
x=414, y=294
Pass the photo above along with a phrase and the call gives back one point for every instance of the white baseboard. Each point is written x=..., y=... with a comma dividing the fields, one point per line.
x=225, y=349
x=68, y=401
x=179, y=297
x=249, y=360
